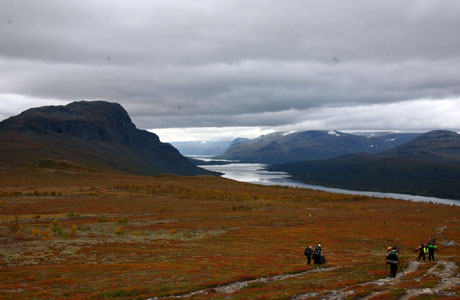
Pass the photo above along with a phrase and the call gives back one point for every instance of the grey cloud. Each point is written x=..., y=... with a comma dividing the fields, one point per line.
x=223, y=120
x=230, y=63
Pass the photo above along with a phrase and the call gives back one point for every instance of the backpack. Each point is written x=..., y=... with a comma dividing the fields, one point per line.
x=425, y=250
x=317, y=251
x=323, y=260
x=307, y=251
x=392, y=257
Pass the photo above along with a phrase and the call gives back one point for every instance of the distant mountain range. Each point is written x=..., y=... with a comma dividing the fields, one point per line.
x=428, y=165
x=97, y=134
x=205, y=148
x=283, y=147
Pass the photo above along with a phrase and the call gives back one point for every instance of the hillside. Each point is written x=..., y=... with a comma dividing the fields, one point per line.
x=96, y=134
x=429, y=166
x=72, y=232
x=283, y=147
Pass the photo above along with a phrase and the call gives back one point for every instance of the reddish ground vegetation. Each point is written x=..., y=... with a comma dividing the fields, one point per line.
x=77, y=233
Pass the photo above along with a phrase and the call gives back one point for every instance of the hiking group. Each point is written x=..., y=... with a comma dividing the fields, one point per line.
x=392, y=256
x=429, y=249
x=318, y=258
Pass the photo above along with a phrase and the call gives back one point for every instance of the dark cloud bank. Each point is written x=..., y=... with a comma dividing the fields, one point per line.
x=272, y=64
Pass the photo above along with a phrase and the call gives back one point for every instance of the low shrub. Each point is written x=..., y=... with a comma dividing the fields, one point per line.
x=120, y=230
x=36, y=232
x=123, y=220
x=73, y=229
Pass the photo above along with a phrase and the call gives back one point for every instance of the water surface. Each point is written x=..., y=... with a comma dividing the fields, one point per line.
x=256, y=173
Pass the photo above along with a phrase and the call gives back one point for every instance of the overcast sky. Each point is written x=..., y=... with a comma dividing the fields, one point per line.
x=218, y=69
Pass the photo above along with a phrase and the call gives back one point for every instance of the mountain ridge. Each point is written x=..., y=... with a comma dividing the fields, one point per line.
x=429, y=165
x=98, y=134
x=284, y=147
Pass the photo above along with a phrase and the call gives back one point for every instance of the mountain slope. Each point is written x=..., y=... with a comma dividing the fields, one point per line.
x=97, y=134
x=282, y=147
x=429, y=165
x=441, y=144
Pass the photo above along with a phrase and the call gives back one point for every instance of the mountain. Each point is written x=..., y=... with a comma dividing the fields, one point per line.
x=97, y=134
x=206, y=148
x=239, y=141
x=429, y=165
x=433, y=145
x=283, y=147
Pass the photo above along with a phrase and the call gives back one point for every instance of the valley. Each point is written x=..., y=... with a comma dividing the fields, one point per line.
x=71, y=232
x=229, y=150
x=261, y=174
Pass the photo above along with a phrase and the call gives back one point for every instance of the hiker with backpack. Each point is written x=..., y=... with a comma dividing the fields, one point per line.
x=423, y=250
x=431, y=248
x=392, y=258
x=317, y=255
x=308, y=252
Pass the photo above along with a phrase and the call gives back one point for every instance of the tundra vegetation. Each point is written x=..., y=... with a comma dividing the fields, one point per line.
x=76, y=233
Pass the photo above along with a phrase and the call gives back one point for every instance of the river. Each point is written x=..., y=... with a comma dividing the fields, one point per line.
x=256, y=173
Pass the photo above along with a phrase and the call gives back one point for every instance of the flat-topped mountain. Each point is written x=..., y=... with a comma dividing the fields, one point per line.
x=282, y=147
x=98, y=134
x=428, y=165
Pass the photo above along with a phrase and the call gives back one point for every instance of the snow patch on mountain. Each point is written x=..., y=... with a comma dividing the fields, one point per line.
x=333, y=132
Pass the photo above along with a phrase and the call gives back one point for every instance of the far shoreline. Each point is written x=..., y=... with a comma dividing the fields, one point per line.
x=287, y=180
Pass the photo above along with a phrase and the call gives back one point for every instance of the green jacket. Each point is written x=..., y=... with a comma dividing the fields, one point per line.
x=393, y=257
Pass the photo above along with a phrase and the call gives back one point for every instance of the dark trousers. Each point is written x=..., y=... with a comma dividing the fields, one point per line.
x=393, y=270
x=316, y=259
x=431, y=255
x=309, y=258
x=421, y=255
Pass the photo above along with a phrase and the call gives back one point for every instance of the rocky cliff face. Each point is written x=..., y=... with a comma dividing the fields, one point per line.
x=98, y=120
x=98, y=134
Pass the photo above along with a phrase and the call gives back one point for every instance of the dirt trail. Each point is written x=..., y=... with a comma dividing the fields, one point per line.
x=342, y=294
x=236, y=286
x=305, y=296
x=443, y=241
x=441, y=231
x=233, y=287
x=443, y=269
x=412, y=267
x=447, y=273
x=448, y=280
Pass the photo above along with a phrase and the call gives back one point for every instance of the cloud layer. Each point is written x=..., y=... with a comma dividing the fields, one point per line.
x=219, y=63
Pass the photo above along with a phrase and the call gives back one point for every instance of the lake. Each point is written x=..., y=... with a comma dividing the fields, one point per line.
x=256, y=173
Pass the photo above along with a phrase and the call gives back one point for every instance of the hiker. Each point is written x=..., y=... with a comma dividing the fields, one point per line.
x=308, y=251
x=423, y=250
x=393, y=260
x=317, y=255
x=431, y=248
